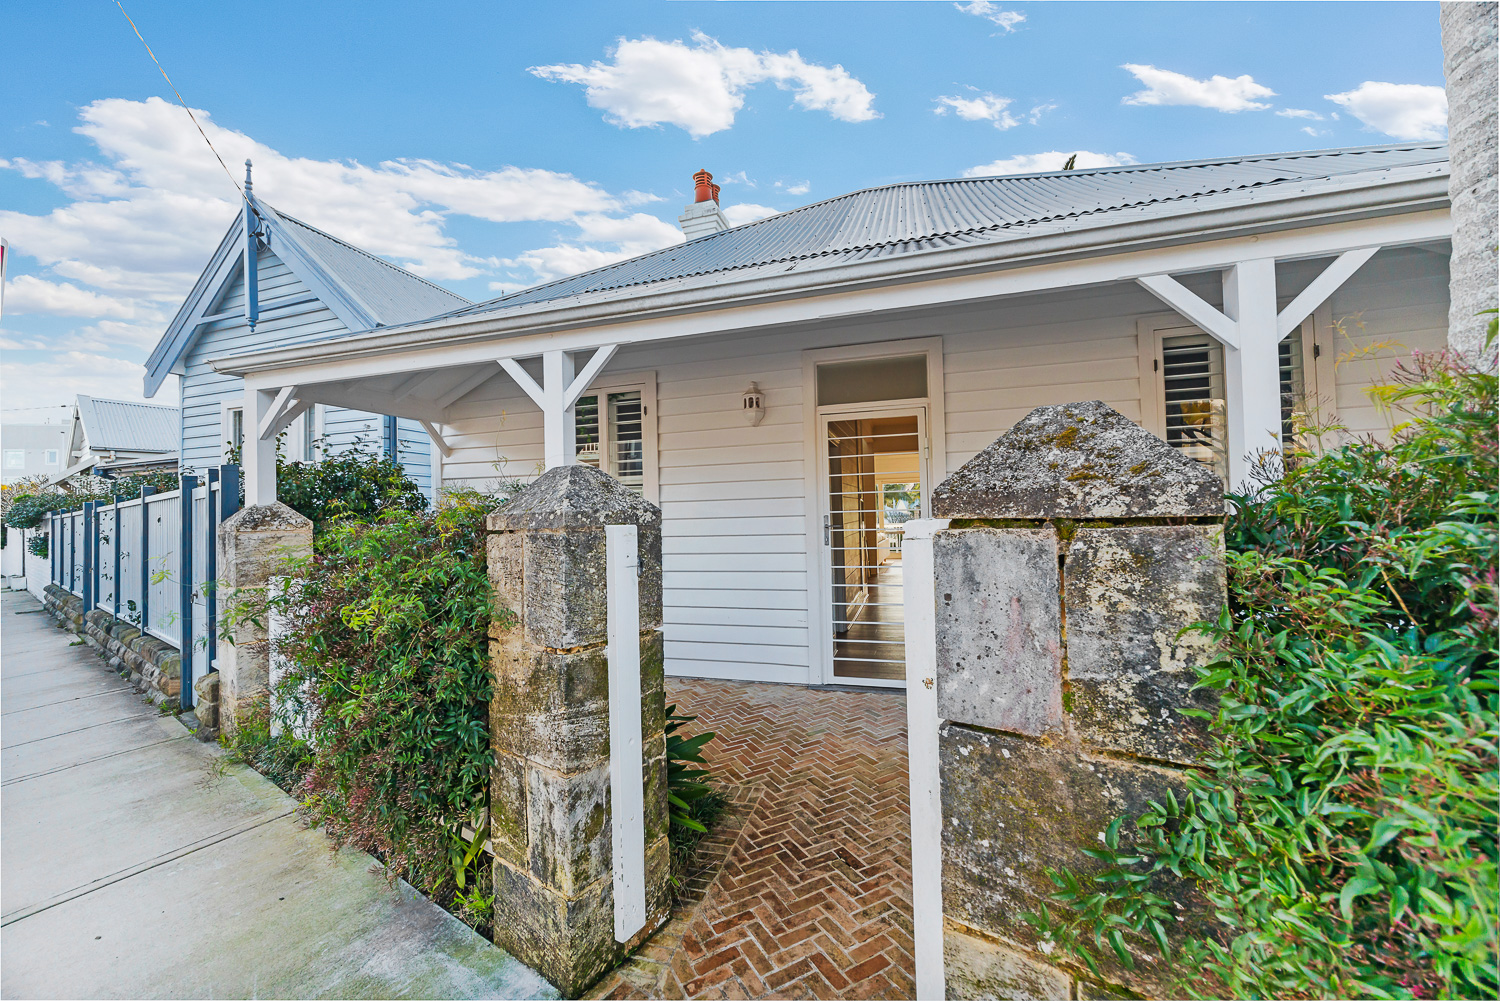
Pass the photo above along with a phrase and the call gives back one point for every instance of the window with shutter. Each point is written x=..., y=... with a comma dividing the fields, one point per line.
x=1292, y=368
x=1192, y=379
x=610, y=436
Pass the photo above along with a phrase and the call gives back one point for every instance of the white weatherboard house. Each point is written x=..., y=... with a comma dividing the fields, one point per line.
x=303, y=286
x=790, y=390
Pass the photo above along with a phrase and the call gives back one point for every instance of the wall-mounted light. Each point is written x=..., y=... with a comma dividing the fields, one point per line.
x=753, y=405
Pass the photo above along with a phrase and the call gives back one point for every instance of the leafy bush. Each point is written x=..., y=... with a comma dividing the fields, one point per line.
x=1344, y=827
x=692, y=804
x=388, y=646
x=30, y=510
x=357, y=484
x=37, y=545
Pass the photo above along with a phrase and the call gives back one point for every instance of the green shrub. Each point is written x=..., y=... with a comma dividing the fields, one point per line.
x=1344, y=827
x=390, y=671
x=30, y=510
x=692, y=804
x=37, y=545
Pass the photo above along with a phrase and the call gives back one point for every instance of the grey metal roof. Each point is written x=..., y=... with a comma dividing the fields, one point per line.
x=117, y=426
x=913, y=218
x=390, y=294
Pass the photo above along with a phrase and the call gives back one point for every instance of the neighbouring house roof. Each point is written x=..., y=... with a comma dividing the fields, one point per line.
x=362, y=290
x=921, y=217
x=117, y=426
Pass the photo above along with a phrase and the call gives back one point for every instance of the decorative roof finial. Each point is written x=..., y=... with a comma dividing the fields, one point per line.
x=249, y=185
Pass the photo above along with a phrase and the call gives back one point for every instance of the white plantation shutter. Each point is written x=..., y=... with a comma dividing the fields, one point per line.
x=1293, y=379
x=611, y=437
x=1192, y=379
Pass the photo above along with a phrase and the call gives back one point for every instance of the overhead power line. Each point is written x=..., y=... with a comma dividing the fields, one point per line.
x=189, y=110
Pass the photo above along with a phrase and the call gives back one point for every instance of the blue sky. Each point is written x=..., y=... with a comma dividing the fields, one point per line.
x=492, y=146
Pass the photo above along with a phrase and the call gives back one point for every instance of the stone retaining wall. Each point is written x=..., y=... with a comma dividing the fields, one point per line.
x=1080, y=547
x=153, y=666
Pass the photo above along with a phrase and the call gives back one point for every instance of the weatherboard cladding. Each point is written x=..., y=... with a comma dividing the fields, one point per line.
x=914, y=218
x=117, y=426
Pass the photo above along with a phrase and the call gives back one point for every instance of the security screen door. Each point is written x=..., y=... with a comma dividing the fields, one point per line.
x=875, y=481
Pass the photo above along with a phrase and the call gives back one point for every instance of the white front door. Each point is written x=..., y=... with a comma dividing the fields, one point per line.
x=874, y=480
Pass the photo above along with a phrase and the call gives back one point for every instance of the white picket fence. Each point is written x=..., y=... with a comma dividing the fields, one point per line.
x=151, y=561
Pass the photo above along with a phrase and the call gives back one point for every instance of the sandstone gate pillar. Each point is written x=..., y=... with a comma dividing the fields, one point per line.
x=253, y=544
x=549, y=724
x=1079, y=546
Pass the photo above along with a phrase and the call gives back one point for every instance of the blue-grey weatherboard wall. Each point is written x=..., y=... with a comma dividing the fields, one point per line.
x=308, y=286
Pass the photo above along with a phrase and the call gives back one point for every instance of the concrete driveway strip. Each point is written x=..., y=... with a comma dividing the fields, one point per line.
x=134, y=864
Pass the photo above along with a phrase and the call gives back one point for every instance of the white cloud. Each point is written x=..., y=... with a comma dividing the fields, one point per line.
x=1038, y=163
x=1221, y=93
x=701, y=87
x=59, y=376
x=1402, y=110
x=985, y=107
x=623, y=238
x=30, y=294
x=800, y=188
x=1035, y=114
x=1006, y=20
x=1313, y=132
x=141, y=217
x=738, y=215
x=1299, y=113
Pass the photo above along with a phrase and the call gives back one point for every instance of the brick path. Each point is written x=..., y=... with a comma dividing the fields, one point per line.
x=808, y=888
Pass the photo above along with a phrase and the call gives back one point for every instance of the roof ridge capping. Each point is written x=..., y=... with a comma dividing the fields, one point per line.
x=1079, y=460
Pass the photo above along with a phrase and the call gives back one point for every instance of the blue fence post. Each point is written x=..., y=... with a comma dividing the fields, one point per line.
x=185, y=592
x=229, y=503
x=145, y=559
x=88, y=556
x=52, y=534
x=117, y=537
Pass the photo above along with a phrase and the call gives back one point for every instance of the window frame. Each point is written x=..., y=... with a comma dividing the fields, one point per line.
x=1152, y=329
x=13, y=453
x=226, y=429
x=645, y=384
x=51, y=456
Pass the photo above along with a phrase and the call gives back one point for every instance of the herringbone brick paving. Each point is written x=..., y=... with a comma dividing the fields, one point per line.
x=813, y=899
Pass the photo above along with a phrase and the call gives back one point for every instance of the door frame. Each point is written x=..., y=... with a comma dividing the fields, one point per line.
x=819, y=623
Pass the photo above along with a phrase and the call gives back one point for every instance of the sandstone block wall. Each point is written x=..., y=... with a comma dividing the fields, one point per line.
x=254, y=545
x=549, y=725
x=153, y=666
x=1080, y=547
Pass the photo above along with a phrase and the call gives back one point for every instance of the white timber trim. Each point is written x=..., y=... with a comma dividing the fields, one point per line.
x=258, y=455
x=1192, y=306
x=626, y=779
x=1321, y=287
x=227, y=411
x=576, y=389
x=524, y=333
x=923, y=770
x=433, y=432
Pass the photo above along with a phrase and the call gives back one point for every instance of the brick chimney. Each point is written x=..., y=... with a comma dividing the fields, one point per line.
x=703, y=216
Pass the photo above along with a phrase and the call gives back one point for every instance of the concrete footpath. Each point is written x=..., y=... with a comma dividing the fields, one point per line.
x=129, y=869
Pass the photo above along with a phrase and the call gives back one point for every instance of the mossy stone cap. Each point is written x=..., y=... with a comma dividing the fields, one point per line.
x=574, y=496
x=1079, y=460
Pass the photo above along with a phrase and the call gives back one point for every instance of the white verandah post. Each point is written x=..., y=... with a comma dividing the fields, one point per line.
x=257, y=454
x=922, y=721
x=1252, y=370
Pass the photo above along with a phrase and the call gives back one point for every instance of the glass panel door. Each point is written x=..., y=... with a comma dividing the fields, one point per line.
x=875, y=483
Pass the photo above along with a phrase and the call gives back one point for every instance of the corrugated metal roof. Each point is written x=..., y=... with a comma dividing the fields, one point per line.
x=391, y=294
x=114, y=425
x=913, y=218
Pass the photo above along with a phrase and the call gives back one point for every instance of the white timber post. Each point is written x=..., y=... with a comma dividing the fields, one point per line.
x=1252, y=377
x=626, y=780
x=257, y=453
x=922, y=755
x=558, y=432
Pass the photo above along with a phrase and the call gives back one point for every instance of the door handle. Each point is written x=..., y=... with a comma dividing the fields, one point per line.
x=827, y=539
